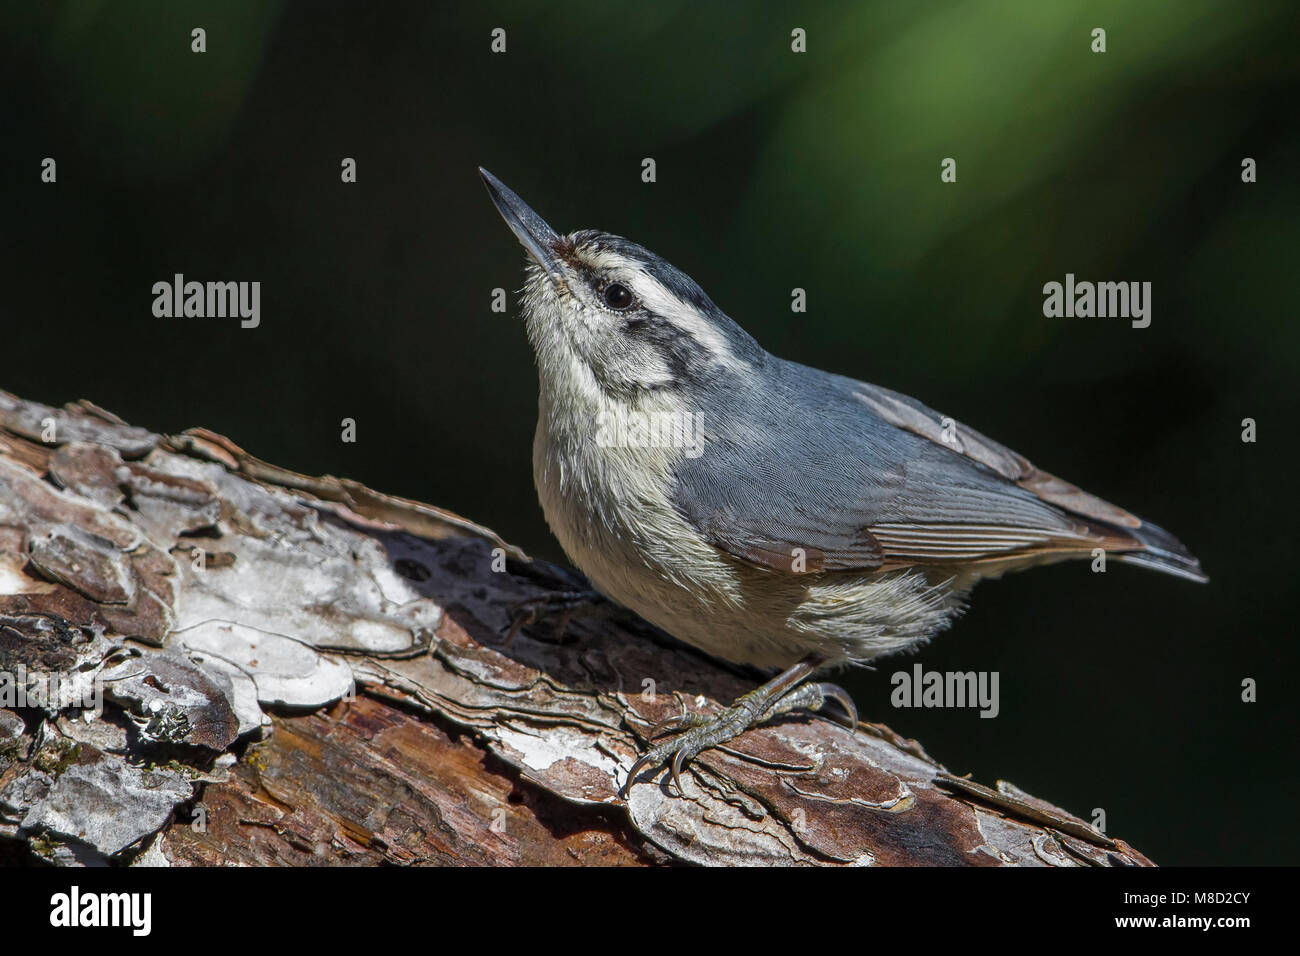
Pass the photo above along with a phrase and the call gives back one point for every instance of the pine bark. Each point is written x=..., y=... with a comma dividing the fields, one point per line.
x=303, y=671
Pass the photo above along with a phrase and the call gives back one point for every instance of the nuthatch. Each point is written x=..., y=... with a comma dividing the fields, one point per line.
x=803, y=520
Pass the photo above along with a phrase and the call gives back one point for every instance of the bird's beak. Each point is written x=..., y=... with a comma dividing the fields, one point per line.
x=538, y=238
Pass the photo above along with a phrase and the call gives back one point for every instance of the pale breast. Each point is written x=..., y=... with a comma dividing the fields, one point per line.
x=609, y=509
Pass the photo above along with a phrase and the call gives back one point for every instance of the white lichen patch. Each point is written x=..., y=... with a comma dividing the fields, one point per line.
x=108, y=804
x=286, y=672
x=541, y=749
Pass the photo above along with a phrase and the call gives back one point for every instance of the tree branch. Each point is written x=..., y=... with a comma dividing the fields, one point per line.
x=302, y=670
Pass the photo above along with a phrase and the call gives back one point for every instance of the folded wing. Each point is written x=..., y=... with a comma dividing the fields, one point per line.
x=816, y=472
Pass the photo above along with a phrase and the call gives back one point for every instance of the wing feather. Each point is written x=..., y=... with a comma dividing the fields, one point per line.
x=850, y=476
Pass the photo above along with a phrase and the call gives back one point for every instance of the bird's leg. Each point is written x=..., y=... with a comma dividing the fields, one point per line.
x=783, y=693
x=564, y=606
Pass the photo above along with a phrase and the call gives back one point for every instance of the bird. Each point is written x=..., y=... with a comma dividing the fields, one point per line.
x=765, y=512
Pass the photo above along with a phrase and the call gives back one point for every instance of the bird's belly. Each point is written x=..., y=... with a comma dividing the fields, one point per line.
x=637, y=550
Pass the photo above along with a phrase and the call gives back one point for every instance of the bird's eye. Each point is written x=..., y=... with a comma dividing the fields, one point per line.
x=618, y=296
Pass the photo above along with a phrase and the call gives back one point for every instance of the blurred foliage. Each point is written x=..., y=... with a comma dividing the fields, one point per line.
x=125, y=77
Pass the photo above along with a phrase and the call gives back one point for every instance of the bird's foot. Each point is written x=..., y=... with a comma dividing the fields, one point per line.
x=697, y=732
x=563, y=606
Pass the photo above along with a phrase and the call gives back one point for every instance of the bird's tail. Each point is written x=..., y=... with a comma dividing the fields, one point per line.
x=1162, y=552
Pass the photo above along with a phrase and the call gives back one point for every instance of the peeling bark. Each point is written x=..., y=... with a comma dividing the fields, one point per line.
x=301, y=670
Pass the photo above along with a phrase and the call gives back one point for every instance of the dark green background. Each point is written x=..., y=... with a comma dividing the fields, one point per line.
x=775, y=170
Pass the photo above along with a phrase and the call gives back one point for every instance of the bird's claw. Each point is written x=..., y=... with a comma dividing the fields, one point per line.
x=705, y=733
x=841, y=696
x=700, y=732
